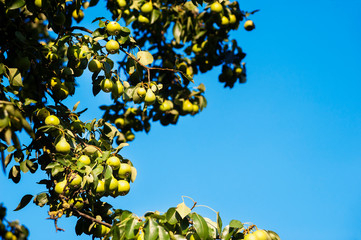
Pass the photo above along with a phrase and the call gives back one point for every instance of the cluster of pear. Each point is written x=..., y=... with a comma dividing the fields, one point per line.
x=231, y=19
x=8, y=235
x=261, y=234
x=117, y=185
x=146, y=10
x=11, y=230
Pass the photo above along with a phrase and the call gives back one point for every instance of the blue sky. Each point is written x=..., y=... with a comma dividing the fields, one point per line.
x=281, y=151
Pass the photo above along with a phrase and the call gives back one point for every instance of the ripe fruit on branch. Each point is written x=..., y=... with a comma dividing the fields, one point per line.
x=52, y=120
x=232, y=19
x=9, y=236
x=143, y=19
x=238, y=71
x=249, y=25
x=119, y=122
x=84, y=159
x=100, y=187
x=129, y=136
x=42, y=114
x=114, y=162
x=149, y=97
x=73, y=52
x=250, y=236
x=113, y=28
x=78, y=16
x=187, y=106
x=196, y=48
x=141, y=92
x=77, y=179
x=124, y=170
x=224, y=21
x=195, y=108
x=216, y=7
x=78, y=203
x=61, y=91
x=112, y=46
x=166, y=106
x=113, y=185
x=60, y=187
x=118, y=89
x=62, y=146
x=147, y=7
x=94, y=65
x=123, y=187
x=122, y=3
x=100, y=230
x=261, y=235
x=106, y=85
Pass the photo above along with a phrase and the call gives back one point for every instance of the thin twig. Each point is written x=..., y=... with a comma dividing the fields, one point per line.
x=91, y=218
x=81, y=28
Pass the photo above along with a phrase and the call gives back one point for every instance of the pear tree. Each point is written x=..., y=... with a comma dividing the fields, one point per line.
x=161, y=46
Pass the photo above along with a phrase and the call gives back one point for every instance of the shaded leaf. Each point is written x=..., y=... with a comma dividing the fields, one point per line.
x=14, y=174
x=24, y=201
x=17, y=4
x=15, y=77
x=171, y=216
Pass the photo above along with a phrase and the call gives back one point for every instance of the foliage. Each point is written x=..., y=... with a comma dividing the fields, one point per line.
x=161, y=46
x=10, y=230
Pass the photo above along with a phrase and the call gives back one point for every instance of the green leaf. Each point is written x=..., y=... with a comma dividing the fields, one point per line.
x=108, y=172
x=124, y=31
x=130, y=228
x=15, y=77
x=17, y=4
x=235, y=224
x=171, y=216
x=2, y=68
x=219, y=223
x=14, y=174
x=145, y=57
x=226, y=233
x=212, y=227
x=133, y=174
x=177, y=30
x=151, y=230
x=32, y=166
x=163, y=235
x=24, y=201
x=76, y=106
x=155, y=15
x=183, y=210
x=23, y=167
x=8, y=159
x=41, y=199
x=200, y=225
x=20, y=36
x=7, y=135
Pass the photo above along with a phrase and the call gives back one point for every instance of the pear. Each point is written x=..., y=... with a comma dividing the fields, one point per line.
x=149, y=97
x=62, y=146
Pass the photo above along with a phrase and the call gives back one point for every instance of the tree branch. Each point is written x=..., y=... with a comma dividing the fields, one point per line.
x=91, y=218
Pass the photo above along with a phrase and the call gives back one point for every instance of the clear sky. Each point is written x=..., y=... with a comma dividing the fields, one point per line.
x=282, y=151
